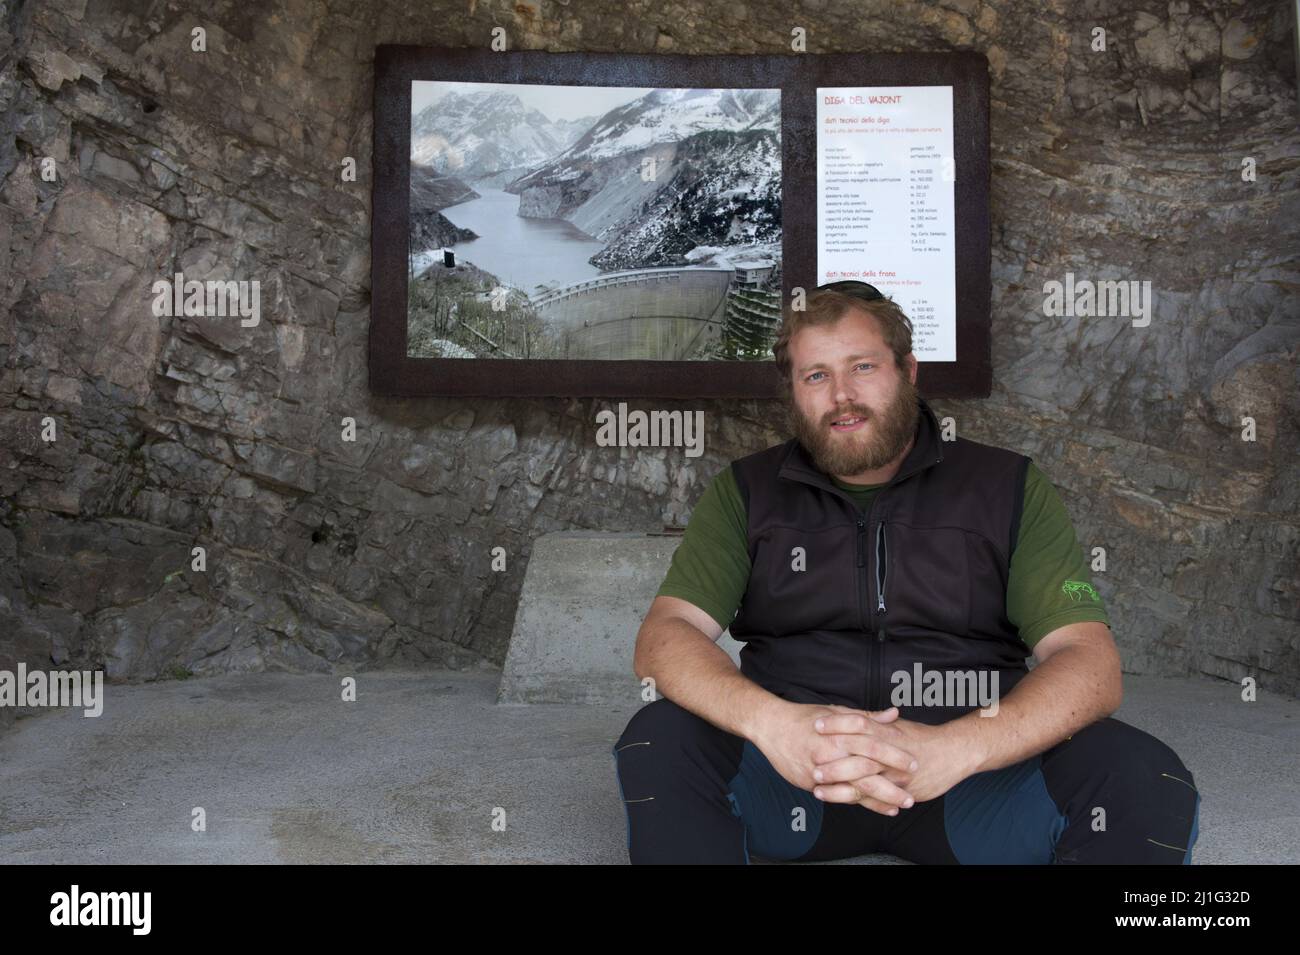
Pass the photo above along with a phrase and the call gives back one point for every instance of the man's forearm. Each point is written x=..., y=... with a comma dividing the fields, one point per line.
x=1069, y=690
x=697, y=675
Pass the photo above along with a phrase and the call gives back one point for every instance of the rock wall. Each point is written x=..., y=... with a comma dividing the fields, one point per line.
x=176, y=432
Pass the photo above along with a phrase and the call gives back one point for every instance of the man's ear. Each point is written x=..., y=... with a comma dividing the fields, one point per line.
x=912, y=366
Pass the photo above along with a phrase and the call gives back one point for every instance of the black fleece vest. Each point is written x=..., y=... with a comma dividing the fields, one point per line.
x=920, y=578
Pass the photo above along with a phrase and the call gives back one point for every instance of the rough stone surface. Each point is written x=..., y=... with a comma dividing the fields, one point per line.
x=177, y=432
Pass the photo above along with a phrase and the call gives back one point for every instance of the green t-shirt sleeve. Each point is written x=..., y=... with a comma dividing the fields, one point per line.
x=710, y=567
x=1049, y=584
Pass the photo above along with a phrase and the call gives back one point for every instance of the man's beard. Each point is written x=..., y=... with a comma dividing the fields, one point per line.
x=881, y=439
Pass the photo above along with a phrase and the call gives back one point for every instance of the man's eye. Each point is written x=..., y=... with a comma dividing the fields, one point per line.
x=865, y=364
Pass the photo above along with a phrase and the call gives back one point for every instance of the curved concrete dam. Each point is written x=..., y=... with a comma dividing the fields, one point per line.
x=666, y=314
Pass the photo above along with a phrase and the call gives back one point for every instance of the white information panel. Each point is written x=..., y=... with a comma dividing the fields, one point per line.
x=885, y=175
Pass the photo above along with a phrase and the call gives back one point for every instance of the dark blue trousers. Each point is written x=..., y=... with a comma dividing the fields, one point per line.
x=1111, y=793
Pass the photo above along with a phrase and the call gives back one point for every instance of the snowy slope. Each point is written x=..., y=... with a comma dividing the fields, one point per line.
x=477, y=134
x=715, y=170
x=669, y=116
x=721, y=189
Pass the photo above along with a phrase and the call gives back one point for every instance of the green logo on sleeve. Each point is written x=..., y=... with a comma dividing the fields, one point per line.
x=1077, y=588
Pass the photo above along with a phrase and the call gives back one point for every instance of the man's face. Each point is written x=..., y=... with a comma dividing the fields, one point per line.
x=845, y=371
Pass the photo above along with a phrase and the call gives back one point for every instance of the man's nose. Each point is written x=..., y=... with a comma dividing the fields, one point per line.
x=845, y=393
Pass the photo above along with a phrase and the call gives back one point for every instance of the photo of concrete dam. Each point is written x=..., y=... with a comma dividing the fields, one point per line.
x=593, y=223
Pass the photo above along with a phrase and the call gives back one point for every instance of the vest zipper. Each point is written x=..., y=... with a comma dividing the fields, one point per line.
x=882, y=567
x=868, y=620
x=882, y=559
x=875, y=657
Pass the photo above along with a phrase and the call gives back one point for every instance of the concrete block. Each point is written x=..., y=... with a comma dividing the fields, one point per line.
x=585, y=595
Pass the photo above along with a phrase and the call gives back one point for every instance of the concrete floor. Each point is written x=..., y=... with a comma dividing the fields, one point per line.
x=413, y=771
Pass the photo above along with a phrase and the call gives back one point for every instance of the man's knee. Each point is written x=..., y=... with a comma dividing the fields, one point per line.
x=1130, y=755
x=663, y=737
x=1124, y=780
x=660, y=722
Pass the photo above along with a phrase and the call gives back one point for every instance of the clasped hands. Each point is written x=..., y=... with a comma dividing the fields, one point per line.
x=874, y=759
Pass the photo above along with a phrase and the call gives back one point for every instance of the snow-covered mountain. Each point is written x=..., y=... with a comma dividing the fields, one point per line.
x=668, y=116
x=719, y=189
x=668, y=171
x=480, y=134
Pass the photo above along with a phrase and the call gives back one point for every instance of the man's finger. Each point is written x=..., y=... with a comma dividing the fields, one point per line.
x=854, y=721
x=845, y=770
x=855, y=744
x=875, y=805
x=875, y=787
x=880, y=716
x=855, y=740
x=855, y=766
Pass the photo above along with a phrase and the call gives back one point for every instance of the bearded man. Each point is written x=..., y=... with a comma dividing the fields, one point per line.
x=881, y=579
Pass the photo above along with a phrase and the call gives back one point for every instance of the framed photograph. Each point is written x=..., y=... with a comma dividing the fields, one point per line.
x=611, y=225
